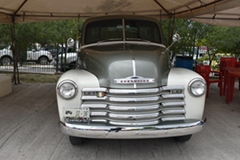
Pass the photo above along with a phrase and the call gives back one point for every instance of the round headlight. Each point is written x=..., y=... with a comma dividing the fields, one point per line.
x=67, y=89
x=197, y=87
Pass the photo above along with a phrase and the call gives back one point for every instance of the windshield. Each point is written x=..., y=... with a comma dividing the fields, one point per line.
x=112, y=30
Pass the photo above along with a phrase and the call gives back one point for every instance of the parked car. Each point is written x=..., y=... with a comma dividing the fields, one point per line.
x=54, y=50
x=124, y=87
x=66, y=61
x=41, y=57
x=6, y=56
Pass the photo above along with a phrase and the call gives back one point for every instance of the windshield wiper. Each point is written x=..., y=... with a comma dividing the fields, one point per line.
x=110, y=39
x=137, y=39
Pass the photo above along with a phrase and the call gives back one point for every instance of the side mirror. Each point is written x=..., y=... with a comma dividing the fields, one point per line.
x=70, y=42
x=176, y=37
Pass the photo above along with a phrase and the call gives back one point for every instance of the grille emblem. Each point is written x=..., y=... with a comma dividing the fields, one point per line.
x=134, y=80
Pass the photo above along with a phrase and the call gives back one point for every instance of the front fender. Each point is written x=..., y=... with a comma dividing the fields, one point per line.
x=83, y=79
x=194, y=105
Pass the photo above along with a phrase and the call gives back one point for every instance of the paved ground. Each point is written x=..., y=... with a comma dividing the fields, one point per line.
x=29, y=131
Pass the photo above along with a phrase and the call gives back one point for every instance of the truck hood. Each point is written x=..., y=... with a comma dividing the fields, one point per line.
x=127, y=65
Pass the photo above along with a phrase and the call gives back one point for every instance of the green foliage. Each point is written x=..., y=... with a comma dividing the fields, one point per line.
x=218, y=39
x=191, y=34
x=52, y=32
x=5, y=38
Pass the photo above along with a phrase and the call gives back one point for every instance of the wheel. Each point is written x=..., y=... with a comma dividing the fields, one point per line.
x=6, y=61
x=75, y=140
x=183, y=138
x=43, y=60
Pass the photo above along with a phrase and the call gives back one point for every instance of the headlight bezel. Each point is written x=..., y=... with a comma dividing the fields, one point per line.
x=201, y=82
x=72, y=83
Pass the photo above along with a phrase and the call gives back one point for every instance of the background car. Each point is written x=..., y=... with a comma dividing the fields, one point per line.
x=54, y=50
x=66, y=61
x=40, y=56
x=6, y=56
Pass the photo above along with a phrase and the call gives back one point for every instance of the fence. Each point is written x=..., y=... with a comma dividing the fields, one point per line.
x=45, y=60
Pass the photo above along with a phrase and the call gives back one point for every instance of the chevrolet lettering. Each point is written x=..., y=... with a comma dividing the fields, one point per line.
x=132, y=80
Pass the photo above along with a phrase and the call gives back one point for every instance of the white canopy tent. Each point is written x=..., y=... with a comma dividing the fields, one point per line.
x=207, y=11
x=227, y=17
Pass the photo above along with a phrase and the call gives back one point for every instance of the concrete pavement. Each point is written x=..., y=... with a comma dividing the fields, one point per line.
x=29, y=131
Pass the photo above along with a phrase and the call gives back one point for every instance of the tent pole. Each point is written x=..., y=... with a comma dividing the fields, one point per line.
x=171, y=28
x=15, y=78
x=79, y=32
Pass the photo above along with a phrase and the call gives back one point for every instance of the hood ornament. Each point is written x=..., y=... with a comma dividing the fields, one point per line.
x=134, y=80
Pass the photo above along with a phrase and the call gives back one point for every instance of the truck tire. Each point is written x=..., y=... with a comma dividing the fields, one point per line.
x=5, y=61
x=183, y=138
x=75, y=140
x=43, y=60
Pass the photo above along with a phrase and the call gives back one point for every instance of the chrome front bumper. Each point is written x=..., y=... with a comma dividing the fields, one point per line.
x=186, y=127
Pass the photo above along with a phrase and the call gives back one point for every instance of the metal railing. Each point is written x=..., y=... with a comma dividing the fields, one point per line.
x=45, y=60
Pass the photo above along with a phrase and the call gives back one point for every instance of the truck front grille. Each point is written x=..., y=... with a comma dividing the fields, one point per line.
x=130, y=107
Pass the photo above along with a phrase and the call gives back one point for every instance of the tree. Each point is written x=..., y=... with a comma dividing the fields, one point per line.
x=221, y=39
x=5, y=38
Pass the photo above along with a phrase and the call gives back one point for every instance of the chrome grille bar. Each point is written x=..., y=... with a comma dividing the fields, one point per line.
x=175, y=103
x=176, y=118
x=165, y=88
x=134, y=91
x=93, y=98
x=134, y=123
x=173, y=111
x=99, y=106
x=134, y=108
x=172, y=96
x=137, y=99
x=133, y=116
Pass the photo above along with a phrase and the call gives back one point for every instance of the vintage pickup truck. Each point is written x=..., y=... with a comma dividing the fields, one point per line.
x=124, y=86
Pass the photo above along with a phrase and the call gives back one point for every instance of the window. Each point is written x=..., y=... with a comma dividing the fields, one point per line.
x=112, y=30
x=142, y=30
